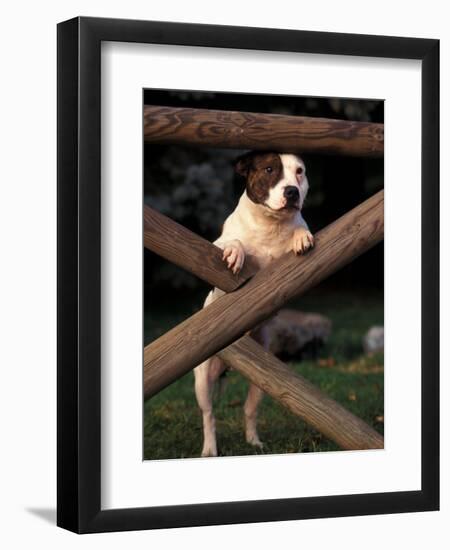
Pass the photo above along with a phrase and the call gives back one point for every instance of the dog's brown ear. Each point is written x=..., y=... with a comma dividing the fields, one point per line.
x=242, y=164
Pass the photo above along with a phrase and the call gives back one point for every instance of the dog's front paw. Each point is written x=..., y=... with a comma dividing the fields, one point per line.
x=234, y=255
x=303, y=240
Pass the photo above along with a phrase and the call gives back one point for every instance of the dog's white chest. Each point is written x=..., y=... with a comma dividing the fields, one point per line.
x=264, y=237
x=263, y=249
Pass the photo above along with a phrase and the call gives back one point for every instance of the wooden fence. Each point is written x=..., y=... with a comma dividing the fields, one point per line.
x=239, y=130
x=253, y=297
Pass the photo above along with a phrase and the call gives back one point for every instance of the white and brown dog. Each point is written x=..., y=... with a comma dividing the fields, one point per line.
x=266, y=224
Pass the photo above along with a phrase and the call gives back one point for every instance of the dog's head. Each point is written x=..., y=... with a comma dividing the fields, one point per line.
x=276, y=181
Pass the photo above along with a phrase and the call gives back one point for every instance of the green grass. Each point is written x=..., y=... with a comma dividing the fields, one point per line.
x=172, y=421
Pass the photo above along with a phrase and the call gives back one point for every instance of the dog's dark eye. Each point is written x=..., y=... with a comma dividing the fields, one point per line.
x=300, y=170
x=269, y=169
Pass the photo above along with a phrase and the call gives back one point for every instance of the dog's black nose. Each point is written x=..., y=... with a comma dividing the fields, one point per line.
x=291, y=193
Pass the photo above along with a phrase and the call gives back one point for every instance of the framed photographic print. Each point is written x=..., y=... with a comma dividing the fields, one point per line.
x=226, y=293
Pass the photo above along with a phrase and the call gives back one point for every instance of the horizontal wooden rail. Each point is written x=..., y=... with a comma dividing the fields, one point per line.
x=215, y=327
x=184, y=248
x=300, y=396
x=240, y=130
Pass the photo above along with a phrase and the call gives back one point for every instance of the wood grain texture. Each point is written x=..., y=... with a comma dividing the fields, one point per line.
x=282, y=133
x=300, y=396
x=184, y=248
x=228, y=318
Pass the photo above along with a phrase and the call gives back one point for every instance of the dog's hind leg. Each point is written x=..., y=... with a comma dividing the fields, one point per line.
x=255, y=394
x=250, y=412
x=205, y=376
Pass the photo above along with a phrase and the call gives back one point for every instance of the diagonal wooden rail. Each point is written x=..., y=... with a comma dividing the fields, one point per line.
x=184, y=248
x=228, y=318
x=244, y=130
x=300, y=396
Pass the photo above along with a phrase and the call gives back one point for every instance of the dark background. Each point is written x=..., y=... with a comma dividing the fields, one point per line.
x=197, y=187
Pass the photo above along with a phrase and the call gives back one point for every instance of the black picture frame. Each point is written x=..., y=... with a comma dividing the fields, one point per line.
x=79, y=281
